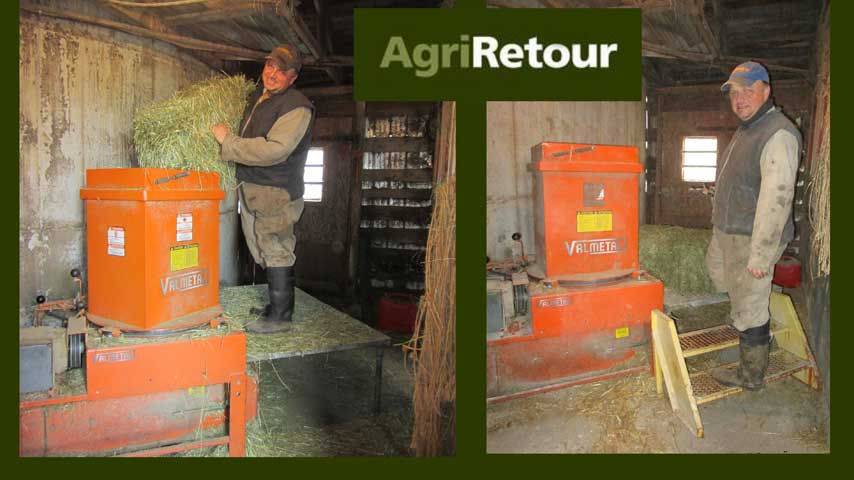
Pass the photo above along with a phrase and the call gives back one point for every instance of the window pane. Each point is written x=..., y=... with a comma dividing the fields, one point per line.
x=315, y=157
x=313, y=174
x=698, y=174
x=700, y=144
x=699, y=159
x=313, y=192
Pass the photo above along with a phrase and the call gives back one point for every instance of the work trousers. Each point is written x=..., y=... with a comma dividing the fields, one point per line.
x=268, y=216
x=726, y=261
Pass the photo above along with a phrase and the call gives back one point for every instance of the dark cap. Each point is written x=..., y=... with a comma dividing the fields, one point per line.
x=286, y=56
x=745, y=75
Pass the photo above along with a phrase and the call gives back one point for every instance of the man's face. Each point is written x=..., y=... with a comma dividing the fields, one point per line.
x=276, y=80
x=745, y=101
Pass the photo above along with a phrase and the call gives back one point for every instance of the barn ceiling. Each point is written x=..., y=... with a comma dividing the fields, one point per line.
x=685, y=42
x=688, y=42
x=236, y=35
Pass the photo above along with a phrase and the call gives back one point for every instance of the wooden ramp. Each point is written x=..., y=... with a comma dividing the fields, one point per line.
x=686, y=392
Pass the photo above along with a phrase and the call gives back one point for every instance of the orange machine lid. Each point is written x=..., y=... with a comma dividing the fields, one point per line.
x=586, y=157
x=151, y=184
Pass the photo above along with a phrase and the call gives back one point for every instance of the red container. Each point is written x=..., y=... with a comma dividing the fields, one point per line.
x=397, y=312
x=787, y=272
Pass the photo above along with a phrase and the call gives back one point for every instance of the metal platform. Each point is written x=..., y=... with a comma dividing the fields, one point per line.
x=715, y=338
x=781, y=364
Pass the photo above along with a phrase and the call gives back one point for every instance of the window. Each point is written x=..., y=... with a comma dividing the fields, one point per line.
x=313, y=176
x=699, y=159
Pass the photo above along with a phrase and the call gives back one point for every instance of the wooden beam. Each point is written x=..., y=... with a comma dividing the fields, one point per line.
x=354, y=218
x=225, y=12
x=153, y=22
x=334, y=91
x=287, y=11
x=224, y=51
x=706, y=31
x=406, y=193
x=413, y=214
x=399, y=175
x=651, y=49
x=389, y=144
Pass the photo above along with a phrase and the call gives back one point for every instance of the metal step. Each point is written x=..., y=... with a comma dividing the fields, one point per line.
x=713, y=339
x=781, y=364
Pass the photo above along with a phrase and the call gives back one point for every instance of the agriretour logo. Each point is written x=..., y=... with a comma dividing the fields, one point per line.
x=486, y=52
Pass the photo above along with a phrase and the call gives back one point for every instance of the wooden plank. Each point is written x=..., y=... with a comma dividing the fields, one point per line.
x=401, y=235
x=415, y=214
x=386, y=109
x=422, y=175
x=402, y=144
x=335, y=90
x=354, y=216
x=793, y=340
x=223, y=12
x=407, y=193
x=224, y=51
x=669, y=355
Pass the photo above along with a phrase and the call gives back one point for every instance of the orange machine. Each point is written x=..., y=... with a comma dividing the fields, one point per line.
x=153, y=249
x=586, y=316
x=150, y=398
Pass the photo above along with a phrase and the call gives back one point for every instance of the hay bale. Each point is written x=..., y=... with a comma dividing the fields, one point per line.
x=677, y=256
x=175, y=133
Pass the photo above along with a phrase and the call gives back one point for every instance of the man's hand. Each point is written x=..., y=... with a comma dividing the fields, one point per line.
x=757, y=273
x=220, y=131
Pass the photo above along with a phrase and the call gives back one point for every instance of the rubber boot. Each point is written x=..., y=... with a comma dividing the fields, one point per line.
x=273, y=319
x=754, y=345
x=288, y=291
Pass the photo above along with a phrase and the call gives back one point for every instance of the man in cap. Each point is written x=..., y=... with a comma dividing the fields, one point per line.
x=752, y=216
x=270, y=152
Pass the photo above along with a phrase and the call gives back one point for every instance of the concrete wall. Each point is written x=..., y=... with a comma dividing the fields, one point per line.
x=79, y=87
x=514, y=127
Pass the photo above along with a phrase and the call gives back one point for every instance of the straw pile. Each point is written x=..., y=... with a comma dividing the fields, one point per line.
x=434, y=343
x=819, y=186
x=175, y=133
x=677, y=256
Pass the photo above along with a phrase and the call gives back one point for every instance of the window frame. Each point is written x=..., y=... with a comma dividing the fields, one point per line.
x=683, y=151
x=322, y=174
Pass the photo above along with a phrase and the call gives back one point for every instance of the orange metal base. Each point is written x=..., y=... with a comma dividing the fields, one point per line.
x=577, y=335
x=159, y=396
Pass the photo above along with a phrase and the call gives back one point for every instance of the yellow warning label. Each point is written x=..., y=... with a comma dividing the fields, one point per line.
x=183, y=256
x=593, y=221
x=622, y=332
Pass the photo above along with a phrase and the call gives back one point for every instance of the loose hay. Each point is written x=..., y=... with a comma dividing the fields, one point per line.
x=434, y=342
x=175, y=133
x=677, y=256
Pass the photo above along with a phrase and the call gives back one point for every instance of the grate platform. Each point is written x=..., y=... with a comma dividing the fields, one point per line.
x=781, y=364
x=713, y=339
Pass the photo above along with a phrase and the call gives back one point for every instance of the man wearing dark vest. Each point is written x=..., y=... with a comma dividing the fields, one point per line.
x=752, y=216
x=270, y=153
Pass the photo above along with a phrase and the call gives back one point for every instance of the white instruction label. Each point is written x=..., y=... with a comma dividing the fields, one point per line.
x=184, y=225
x=116, y=241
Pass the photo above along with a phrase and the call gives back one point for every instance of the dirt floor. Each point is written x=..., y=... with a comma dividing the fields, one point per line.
x=322, y=405
x=625, y=415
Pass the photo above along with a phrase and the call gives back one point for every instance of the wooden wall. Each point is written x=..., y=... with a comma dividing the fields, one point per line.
x=701, y=111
